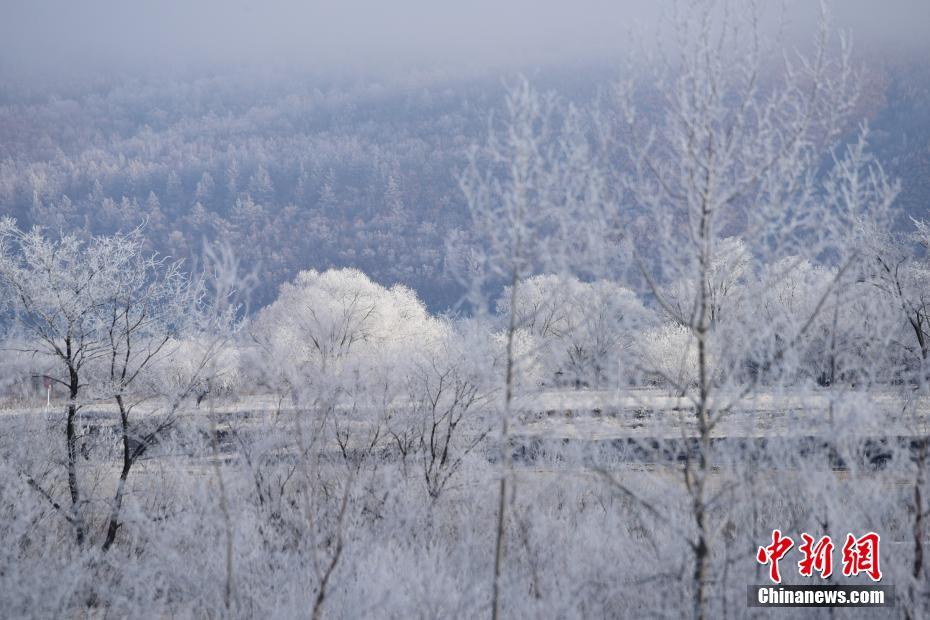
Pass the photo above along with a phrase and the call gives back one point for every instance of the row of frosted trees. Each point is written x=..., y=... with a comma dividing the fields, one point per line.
x=738, y=194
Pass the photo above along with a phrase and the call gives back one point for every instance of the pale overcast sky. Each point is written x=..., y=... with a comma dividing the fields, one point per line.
x=46, y=37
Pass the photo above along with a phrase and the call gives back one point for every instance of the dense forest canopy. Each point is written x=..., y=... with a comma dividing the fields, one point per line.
x=298, y=172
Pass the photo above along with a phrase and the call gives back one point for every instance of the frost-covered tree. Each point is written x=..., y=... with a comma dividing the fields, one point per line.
x=148, y=304
x=60, y=290
x=583, y=330
x=102, y=312
x=260, y=185
x=205, y=188
x=340, y=322
x=528, y=189
x=735, y=148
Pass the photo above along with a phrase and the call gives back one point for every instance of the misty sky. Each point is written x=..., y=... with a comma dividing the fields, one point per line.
x=51, y=37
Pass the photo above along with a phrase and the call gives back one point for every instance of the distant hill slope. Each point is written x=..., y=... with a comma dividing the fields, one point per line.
x=296, y=172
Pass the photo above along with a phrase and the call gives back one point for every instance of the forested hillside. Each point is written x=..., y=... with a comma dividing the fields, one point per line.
x=298, y=172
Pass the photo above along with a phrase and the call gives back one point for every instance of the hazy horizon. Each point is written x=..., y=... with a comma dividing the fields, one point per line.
x=52, y=39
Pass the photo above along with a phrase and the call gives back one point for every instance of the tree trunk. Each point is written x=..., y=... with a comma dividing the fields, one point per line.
x=918, y=532
x=701, y=547
x=505, y=455
x=71, y=435
x=124, y=474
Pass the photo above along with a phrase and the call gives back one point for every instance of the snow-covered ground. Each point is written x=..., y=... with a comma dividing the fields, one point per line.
x=604, y=414
x=653, y=413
